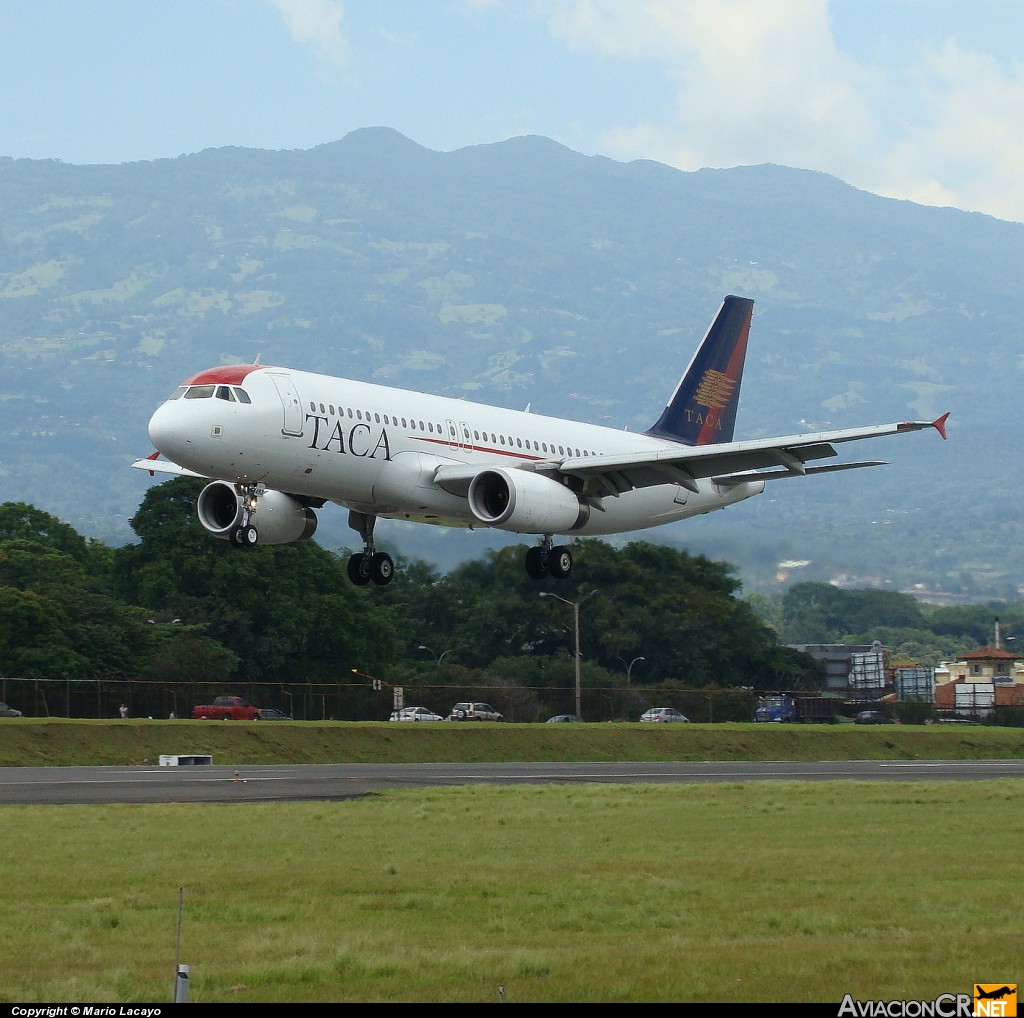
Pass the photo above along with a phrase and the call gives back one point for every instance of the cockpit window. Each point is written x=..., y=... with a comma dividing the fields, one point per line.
x=178, y=393
x=199, y=391
x=224, y=392
x=242, y=395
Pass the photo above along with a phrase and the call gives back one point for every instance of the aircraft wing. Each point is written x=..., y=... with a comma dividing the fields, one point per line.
x=729, y=462
x=155, y=466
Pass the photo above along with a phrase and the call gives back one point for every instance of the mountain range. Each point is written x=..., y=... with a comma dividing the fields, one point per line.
x=526, y=273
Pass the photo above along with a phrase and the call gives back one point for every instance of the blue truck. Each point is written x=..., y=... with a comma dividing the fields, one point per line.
x=784, y=708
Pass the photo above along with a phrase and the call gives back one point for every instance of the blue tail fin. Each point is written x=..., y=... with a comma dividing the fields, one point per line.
x=702, y=410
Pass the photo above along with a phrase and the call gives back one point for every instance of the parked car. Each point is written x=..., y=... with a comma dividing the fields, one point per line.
x=474, y=712
x=872, y=717
x=8, y=712
x=558, y=718
x=663, y=714
x=273, y=714
x=415, y=714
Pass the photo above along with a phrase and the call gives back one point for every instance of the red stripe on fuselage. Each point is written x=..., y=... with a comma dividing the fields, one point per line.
x=229, y=374
x=476, y=448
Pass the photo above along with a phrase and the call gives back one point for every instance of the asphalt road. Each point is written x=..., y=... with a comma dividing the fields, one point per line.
x=215, y=783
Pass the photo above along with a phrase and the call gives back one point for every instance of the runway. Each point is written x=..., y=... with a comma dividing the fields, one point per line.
x=329, y=782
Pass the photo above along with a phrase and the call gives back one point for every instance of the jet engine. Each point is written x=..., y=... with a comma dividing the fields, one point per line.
x=525, y=503
x=279, y=518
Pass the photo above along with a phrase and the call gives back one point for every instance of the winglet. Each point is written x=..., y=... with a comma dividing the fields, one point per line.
x=153, y=456
x=939, y=424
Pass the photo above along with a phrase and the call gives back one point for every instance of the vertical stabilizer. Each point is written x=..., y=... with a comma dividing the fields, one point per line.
x=702, y=409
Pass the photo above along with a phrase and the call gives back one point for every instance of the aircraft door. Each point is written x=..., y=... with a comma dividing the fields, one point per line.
x=459, y=436
x=290, y=403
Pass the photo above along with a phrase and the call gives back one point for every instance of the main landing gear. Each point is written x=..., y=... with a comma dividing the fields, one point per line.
x=544, y=560
x=368, y=564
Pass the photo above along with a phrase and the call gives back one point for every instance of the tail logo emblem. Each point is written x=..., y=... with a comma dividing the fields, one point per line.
x=715, y=390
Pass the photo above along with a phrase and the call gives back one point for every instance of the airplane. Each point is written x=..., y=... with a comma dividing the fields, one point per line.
x=278, y=443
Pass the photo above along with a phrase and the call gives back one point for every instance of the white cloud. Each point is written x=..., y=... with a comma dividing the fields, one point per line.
x=970, y=128
x=316, y=23
x=761, y=82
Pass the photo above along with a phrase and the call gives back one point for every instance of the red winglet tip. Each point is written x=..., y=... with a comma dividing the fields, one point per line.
x=153, y=456
x=939, y=424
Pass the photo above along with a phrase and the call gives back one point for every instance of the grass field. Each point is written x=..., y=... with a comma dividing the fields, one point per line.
x=752, y=892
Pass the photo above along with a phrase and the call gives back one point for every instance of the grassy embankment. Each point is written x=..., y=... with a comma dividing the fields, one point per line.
x=54, y=742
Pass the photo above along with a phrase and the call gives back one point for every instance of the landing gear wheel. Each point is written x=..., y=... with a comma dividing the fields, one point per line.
x=560, y=562
x=536, y=563
x=238, y=537
x=382, y=568
x=359, y=570
x=250, y=536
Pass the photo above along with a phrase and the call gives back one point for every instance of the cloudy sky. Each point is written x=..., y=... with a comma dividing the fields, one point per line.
x=917, y=99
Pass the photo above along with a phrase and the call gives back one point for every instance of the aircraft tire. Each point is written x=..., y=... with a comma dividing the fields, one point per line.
x=359, y=570
x=382, y=569
x=536, y=567
x=250, y=536
x=560, y=562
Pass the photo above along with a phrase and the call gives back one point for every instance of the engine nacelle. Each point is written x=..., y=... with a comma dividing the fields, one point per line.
x=279, y=518
x=525, y=503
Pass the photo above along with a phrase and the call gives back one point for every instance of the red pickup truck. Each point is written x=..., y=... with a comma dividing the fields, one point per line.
x=227, y=708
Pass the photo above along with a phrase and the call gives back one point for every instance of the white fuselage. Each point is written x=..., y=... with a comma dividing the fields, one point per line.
x=376, y=449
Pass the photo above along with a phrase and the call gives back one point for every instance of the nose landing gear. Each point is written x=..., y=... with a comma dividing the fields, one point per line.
x=245, y=535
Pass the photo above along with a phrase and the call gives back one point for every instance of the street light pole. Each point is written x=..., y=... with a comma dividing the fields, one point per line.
x=437, y=658
x=629, y=670
x=575, y=605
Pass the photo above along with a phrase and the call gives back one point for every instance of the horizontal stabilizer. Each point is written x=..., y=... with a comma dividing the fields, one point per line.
x=729, y=480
